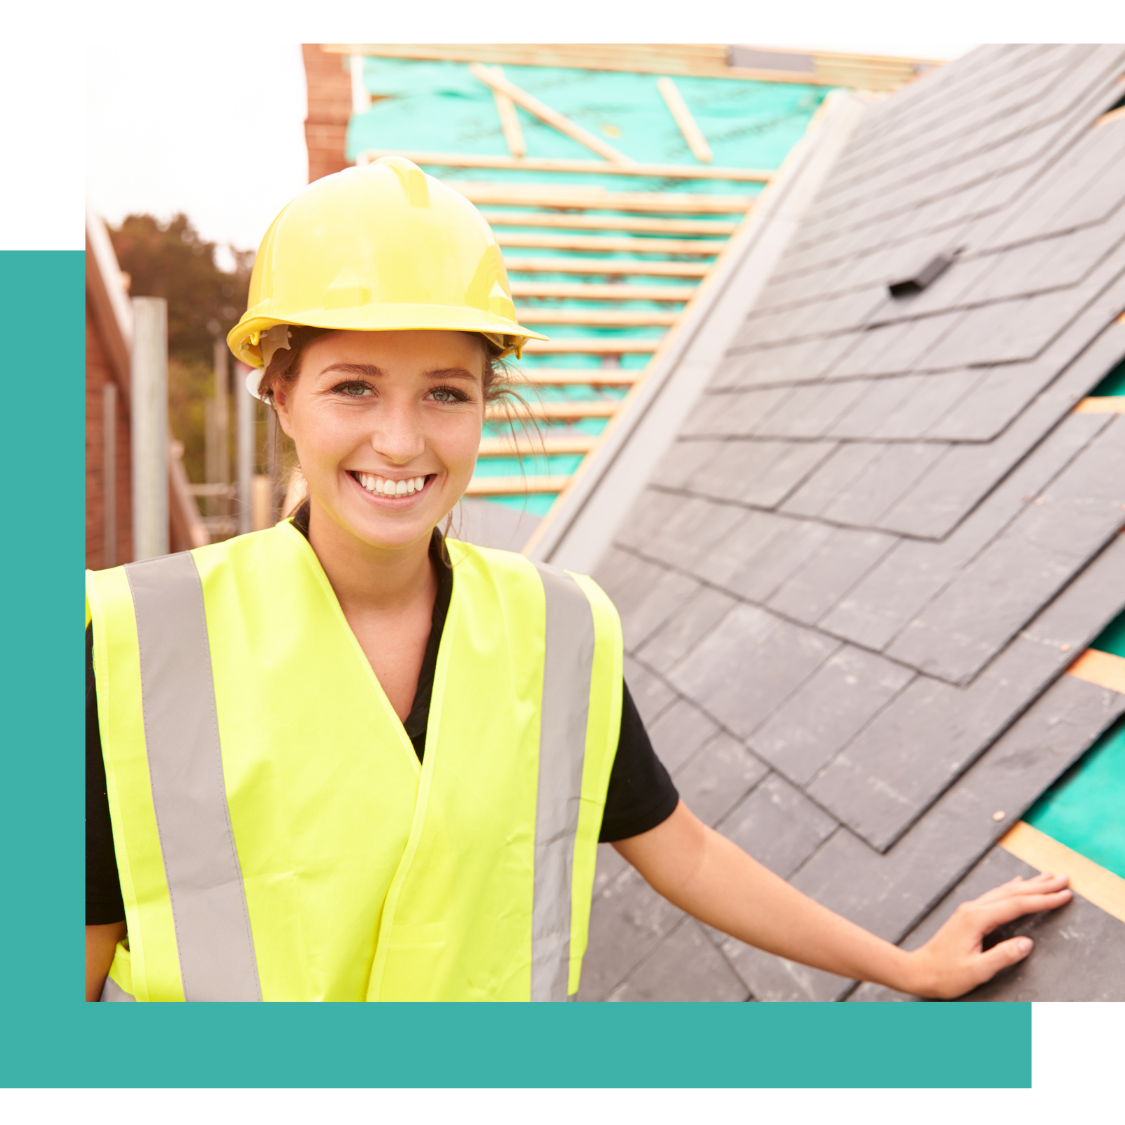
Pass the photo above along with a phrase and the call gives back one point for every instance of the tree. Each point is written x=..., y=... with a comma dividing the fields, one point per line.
x=172, y=260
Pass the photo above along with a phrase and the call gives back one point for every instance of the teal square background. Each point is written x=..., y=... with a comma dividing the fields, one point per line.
x=51, y=1038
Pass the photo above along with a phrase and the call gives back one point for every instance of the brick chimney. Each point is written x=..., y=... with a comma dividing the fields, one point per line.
x=330, y=106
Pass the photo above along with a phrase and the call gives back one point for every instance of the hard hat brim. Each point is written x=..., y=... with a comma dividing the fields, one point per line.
x=243, y=338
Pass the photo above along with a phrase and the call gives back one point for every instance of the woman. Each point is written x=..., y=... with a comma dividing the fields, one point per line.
x=345, y=759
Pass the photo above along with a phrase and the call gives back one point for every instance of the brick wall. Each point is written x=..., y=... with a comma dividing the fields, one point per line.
x=330, y=106
x=98, y=373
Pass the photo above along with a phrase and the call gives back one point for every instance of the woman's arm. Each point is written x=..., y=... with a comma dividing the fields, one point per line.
x=704, y=874
x=101, y=941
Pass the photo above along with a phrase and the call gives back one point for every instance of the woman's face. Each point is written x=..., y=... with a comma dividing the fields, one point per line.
x=387, y=427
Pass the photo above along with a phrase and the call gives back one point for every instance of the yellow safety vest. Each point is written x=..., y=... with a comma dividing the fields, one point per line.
x=277, y=837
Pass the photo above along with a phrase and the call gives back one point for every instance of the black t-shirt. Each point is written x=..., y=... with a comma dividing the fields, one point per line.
x=641, y=795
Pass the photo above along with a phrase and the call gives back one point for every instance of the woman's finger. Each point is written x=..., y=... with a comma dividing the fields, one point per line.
x=1001, y=956
x=987, y=916
x=1037, y=884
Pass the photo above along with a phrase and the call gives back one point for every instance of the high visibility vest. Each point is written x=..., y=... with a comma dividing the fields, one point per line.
x=277, y=837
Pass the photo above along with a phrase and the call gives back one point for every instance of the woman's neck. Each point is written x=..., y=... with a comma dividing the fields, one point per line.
x=367, y=578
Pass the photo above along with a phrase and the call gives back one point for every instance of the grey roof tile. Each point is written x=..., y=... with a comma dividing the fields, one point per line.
x=684, y=967
x=893, y=770
x=913, y=346
x=654, y=594
x=731, y=413
x=996, y=594
x=748, y=666
x=888, y=893
x=717, y=777
x=683, y=460
x=914, y=571
x=778, y=825
x=834, y=564
x=880, y=398
x=844, y=465
x=679, y=732
x=801, y=362
x=761, y=553
x=782, y=468
x=810, y=410
x=691, y=532
x=648, y=517
x=884, y=481
x=958, y=481
x=934, y=397
x=842, y=697
x=1079, y=948
x=685, y=622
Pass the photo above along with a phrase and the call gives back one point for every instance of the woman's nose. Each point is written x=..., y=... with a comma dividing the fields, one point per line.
x=398, y=434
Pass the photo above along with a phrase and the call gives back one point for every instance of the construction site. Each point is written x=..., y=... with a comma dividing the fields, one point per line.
x=832, y=407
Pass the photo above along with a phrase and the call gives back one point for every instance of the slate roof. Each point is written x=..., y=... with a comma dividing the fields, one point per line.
x=852, y=586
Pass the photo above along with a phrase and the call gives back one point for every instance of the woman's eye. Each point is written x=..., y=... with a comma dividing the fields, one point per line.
x=352, y=390
x=448, y=394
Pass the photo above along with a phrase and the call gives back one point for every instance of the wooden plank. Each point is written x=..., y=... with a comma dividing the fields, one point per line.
x=581, y=376
x=1110, y=404
x=495, y=80
x=509, y=122
x=554, y=55
x=561, y=164
x=529, y=446
x=1113, y=115
x=1090, y=880
x=514, y=486
x=613, y=267
x=1101, y=668
x=566, y=197
x=687, y=125
x=571, y=411
x=603, y=244
x=577, y=345
x=598, y=318
x=588, y=291
x=552, y=219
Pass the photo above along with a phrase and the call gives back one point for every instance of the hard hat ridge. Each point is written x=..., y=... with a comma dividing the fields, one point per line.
x=378, y=248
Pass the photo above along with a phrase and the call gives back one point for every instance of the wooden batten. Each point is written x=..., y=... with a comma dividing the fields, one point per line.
x=514, y=486
x=554, y=220
x=579, y=376
x=588, y=291
x=564, y=164
x=598, y=318
x=577, y=346
x=1102, y=668
x=497, y=82
x=1109, y=404
x=509, y=122
x=611, y=267
x=689, y=128
x=599, y=199
x=603, y=244
x=557, y=411
x=529, y=446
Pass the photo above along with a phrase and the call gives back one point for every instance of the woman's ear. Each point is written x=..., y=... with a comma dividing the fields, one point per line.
x=281, y=407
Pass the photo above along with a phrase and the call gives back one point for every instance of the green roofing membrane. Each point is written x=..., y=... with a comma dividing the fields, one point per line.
x=441, y=107
x=1085, y=808
x=1112, y=385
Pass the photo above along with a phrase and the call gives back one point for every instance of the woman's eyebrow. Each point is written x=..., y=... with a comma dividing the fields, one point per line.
x=368, y=369
x=450, y=373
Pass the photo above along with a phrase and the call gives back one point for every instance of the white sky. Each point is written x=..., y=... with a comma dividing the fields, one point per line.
x=207, y=129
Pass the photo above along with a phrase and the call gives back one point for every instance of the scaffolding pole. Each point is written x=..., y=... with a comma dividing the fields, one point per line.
x=245, y=432
x=149, y=426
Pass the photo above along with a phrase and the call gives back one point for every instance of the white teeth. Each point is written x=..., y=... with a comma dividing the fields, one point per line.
x=383, y=487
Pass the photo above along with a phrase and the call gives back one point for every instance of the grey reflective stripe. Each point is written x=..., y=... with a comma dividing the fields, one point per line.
x=186, y=768
x=113, y=992
x=568, y=667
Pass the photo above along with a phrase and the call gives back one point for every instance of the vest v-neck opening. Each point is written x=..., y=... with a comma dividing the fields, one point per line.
x=416, y=722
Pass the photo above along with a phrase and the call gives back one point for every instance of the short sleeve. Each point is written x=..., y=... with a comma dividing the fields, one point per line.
x=641, y=794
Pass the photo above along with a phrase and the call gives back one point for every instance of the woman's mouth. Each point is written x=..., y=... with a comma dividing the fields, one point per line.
x=388, y=488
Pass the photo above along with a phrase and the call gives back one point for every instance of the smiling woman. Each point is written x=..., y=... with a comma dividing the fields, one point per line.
x=347, y=758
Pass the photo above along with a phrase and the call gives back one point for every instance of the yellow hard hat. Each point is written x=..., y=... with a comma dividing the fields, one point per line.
x=379, y=247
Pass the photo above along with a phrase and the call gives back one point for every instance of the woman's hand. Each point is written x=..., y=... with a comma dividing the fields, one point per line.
x=952, y=962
